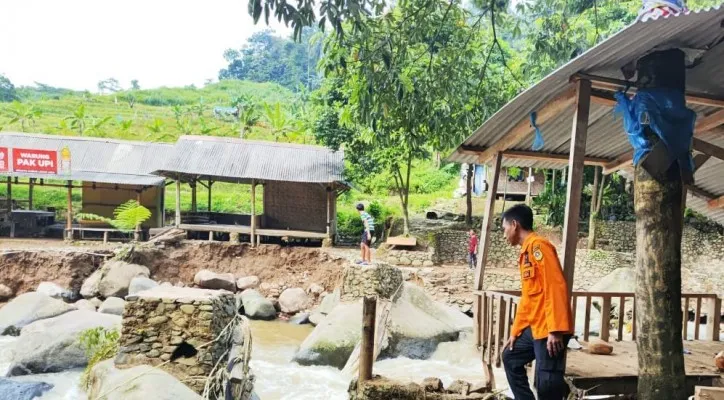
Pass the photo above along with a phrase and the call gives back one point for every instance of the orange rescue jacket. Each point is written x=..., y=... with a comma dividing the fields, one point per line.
x=544, y=303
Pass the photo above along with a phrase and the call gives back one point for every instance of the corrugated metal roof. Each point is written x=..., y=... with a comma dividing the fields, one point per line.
x=97, y=160
x=238, y=160
x=606, y=138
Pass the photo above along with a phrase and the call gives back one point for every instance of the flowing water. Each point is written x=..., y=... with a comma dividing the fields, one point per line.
x=277, y=378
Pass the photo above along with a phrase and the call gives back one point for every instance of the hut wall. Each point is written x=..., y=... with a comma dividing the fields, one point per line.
x=106, y=197
x=295, y=206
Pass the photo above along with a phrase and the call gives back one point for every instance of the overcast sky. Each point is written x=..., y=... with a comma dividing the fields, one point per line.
x=76, y=43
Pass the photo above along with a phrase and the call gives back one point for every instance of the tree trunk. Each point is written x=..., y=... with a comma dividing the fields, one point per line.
x=592, y=217
x=469, y=197
x=659, y=218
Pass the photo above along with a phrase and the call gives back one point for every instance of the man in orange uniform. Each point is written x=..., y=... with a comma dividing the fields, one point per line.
x=543, y=322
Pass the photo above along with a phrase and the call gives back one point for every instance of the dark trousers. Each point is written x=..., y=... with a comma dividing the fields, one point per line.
x=549, y=382
x=473, y=259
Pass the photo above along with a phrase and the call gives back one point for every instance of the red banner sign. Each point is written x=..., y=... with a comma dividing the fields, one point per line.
x=4, y=159
x=37, y=161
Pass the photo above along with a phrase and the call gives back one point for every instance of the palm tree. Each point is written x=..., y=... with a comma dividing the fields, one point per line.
x=277, y=119
x=79, y=119
x=23, y=113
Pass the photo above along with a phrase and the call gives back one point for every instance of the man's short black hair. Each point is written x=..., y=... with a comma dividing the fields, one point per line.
x=360, y=207
x=522, y=214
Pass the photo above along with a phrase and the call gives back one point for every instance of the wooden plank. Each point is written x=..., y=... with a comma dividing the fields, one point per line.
x=477, y=310
x=216, y=228
x=621, y=315
x=484, y=320
x=708, y=393
x=606, y=318
x=507, y=320
x=524, y=129
x=500, y=330
x=587, y=322
x=715, y=318
x=708, y=148
x=574, y=307
x=614, y=85
x=488, y=218
x=575, y=180
x=699, y=160
x=490, y=345
x=709, y=122
x=621, y=161
x=697, y=317
x=291, y=234
x=402, y=241
x=685, y=318
x=557, y=158
x=633, y=322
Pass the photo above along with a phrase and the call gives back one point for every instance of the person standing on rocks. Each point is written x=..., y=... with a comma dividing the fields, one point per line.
x=366, y=239
x=472, y=249
x=543, y=323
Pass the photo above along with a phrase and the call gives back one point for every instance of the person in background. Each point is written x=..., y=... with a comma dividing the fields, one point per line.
x=543, y=323
x=472, y=249
x=366, y=240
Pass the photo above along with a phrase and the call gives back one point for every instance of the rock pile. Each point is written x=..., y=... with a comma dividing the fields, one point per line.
x=380, y=279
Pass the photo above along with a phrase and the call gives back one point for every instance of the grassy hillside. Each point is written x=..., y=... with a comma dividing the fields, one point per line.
x=152, y=115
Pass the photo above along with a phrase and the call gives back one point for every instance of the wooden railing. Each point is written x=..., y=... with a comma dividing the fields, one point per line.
x=494, y=313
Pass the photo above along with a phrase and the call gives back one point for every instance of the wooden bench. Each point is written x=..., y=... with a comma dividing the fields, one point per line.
x=105, y=232
x=402, y=241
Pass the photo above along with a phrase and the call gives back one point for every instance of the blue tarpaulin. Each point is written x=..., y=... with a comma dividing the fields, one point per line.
x=478, y=185
x=665, y=112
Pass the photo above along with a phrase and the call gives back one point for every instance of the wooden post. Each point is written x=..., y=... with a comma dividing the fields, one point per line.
x=329, y=212
x=606, y=318
x=9, y=207
x=253, y=213
x=658, y=203
x=553, y=180
x=575, y=180
x=505, y=187
x=592, y=217
x=31, y=183
x=488, y=219
x=137, y=232
x=193, y=195
x=208, y=207
x=469, y=196
x=528, y=198
x=367, y=349
x=178, y=203
x=713, y=318
x=69, y=214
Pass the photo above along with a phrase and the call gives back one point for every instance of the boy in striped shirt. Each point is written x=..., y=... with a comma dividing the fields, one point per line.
x=369, y=230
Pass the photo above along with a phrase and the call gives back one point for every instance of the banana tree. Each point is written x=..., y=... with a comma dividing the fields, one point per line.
x=79, y=119
x=277, y=119
x=23, y=113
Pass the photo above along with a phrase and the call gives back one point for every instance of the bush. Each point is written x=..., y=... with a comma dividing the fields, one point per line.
x=349, y=223
x=99, y=344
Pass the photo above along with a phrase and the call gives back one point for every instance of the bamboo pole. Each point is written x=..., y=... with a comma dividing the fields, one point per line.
x=367, y=350
x=253, y=213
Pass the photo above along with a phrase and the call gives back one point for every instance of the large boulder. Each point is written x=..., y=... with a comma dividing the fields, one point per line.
x=53, y=344
x=141, y=283
x=211, y=280
x=53, y=290
x=247, y=282
x=117, y=277
x=30, y=307
x=417, y=324
x=112, y=305
x=84, y=304
x=90, y=287
x=329, y=302
x=294, y=300
x=10, y=389
x=256, y=306
x=138, y=383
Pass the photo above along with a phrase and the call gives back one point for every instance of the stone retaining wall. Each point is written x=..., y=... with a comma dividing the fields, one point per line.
x=157, y=322
x=380, y=279
x=408, y=258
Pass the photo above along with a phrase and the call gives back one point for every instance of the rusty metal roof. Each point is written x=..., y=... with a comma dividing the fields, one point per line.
x=239, y=160
x=701, y=30
x=96, y=159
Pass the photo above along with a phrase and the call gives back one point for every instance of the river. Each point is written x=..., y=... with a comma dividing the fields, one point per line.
x=278, y=379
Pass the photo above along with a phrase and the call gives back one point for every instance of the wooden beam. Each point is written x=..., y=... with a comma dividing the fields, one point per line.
x=575, y=180
x=31, y=183
x=530, y=183
x=708, y=148
x=709, y=122
x=253, y=213
x=717, y=202
x=178, y=203
x=621, y=161
x=523, y=128
x=603, y=99
x=488, y=219
x=69, y=213
x=533, y=155
x=699, y=160
x=614, y=85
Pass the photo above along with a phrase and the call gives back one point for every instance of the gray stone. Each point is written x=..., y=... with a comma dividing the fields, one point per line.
x=294, y=300
x=84, y=304
x=96, y=301
x=459, y=387
x=405, y=261
x=315, y=289
x=53, y=290
x=187, y=309
x=141, y=283
x=334, y=339
x=30, y=307
x=257, y=306
x=211, y=280
x=10, y=389
x=6, y=293
x=428, y=263
x=247, y=282
x=316, y=318
x=417, y=263
x=299, y=319
x=112, y=305
x=117, y=277
x=90, y=285
x=53, y=345
x=432, y=384
x=138, y=383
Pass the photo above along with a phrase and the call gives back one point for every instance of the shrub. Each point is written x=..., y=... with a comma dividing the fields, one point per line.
x=99, y=344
